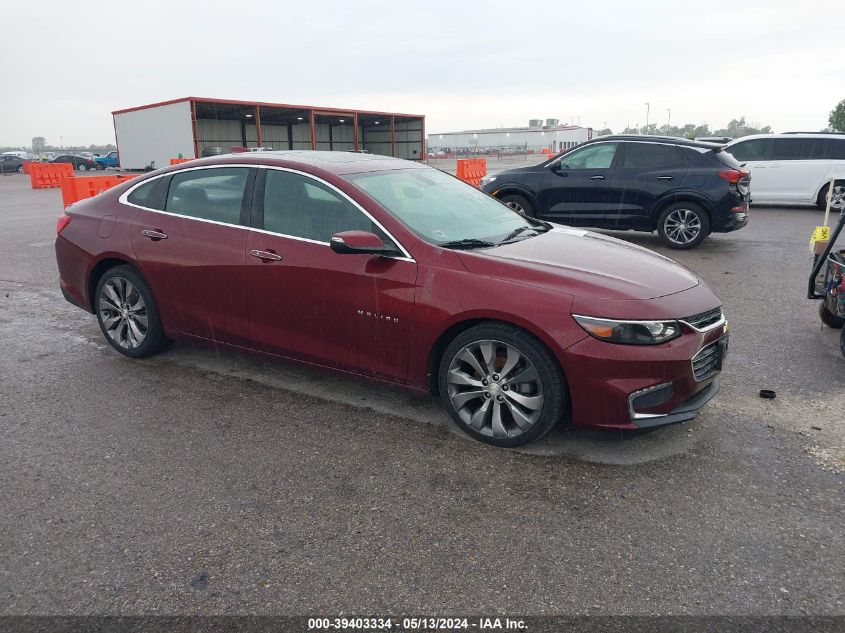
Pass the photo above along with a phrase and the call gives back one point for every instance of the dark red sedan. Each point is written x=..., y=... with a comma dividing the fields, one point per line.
x=396, y=271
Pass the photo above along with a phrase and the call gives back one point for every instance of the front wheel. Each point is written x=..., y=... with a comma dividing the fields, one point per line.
x=520, y=204
x=127, y=313
x=501, y=385
x=683, y=226
x=100, y=167
x=20, y=169
x=82, y=167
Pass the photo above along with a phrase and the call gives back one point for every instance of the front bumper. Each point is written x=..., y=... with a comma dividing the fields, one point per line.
x=609, y=384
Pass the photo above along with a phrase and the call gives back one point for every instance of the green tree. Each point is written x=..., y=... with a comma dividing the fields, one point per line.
x=837, y=117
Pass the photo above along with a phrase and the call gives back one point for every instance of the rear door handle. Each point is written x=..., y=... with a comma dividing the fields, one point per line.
x=266, y=256
x=596, y=177
x=154, y=234
x=664, y=177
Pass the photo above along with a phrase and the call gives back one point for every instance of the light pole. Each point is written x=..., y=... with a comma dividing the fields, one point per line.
x=668, y=119
x=647, y=110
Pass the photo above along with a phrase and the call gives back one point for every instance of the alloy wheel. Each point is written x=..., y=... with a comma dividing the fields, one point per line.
x=837, y=197
x=682, y=226
x=495, y=389
x=516, y=207
x=123, y=313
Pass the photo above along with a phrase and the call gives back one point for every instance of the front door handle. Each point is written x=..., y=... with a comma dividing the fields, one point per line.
x=266, y=256
x=596, y=177
x=154, y=234
x=664, y=177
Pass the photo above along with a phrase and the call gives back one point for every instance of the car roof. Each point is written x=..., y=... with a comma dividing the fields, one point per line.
x=675, y=140
x=790, y=135
x=336, y=162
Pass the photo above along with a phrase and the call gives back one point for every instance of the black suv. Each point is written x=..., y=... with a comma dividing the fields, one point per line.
x=683, y=189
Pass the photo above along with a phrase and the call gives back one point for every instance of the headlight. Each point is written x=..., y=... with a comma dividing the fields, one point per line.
x=630, y=332
x=486, y=180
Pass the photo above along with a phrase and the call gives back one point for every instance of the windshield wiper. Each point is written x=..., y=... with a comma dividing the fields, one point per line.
x=542, y=228
x=467, y=243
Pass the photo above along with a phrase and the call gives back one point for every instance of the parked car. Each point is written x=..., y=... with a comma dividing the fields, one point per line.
x=397, y=271
x=18, y=153
x=79, y=162
x=112, y=159
x=12, y=162
x=683, y=189
x=794, y=168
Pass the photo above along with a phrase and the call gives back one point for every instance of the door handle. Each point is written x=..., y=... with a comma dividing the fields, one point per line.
x=664, y=177
x=266, y=256
x=154, y=234
x=596, y=177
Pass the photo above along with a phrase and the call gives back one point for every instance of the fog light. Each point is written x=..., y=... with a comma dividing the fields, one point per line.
x=648, y=398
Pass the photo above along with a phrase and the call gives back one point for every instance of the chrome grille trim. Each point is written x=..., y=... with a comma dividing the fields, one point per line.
x=705, y=363
x=705, y=321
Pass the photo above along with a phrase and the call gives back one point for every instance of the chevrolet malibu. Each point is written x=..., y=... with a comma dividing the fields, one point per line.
x=395, y=271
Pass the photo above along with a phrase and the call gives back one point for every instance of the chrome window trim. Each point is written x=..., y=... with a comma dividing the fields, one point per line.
x=124, y=199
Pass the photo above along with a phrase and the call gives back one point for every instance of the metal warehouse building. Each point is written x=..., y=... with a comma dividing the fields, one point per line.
x=193, y=127
x=534, y=137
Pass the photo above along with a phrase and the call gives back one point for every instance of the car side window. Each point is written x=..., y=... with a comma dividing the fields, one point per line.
x=792, y=148
x=209, y=194
x=831, y=148
x=652, y=156
x=755, y=149
x=299, y=206
x=148, y=194
x=597, y=156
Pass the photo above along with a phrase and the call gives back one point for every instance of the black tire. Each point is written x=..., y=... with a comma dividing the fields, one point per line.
x=500, y=392
x=830, y=319
x=694, y=217
x=82, y=167
x=20, y=169
x=821, y=201
x=100, y=167
x=520, y=204
x=154, y=338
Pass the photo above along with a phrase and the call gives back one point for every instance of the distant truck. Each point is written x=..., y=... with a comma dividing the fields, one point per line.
x=112, y=159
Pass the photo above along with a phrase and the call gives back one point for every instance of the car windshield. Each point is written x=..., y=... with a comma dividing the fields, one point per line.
x=443, y=210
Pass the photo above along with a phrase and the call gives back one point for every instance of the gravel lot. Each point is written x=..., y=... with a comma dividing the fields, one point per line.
x=204, y=481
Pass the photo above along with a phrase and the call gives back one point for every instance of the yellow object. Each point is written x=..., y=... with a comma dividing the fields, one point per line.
x=821, y=234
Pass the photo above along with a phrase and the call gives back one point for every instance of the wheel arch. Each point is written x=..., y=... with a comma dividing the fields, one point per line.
x=104, y=264
x=464, y=323
x=681, y=196
x=513, y=189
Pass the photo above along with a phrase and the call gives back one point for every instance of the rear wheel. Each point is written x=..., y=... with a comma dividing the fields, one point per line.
x=127, y=313
x=82, y=167
x=501, y=385
x=520, y=204
x=830, y=319
x=837, y=199
x=100, y=166
x=20, y=169
x=683, y=225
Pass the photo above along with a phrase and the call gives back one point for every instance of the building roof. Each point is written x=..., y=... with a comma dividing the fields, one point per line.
x=317, y=109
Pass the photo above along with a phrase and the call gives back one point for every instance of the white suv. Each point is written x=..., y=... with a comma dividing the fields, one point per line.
x=793, y=168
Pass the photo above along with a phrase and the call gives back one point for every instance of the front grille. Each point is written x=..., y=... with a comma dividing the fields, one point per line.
x=707, y=362
x=705, y=319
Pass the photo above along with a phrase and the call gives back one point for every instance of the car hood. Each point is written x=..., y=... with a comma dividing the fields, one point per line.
x=583, y=264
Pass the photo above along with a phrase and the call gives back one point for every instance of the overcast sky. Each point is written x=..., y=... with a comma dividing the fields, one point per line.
x=67, y=65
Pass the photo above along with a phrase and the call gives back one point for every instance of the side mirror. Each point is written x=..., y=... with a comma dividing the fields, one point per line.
x=555, y=167
x=360, y=243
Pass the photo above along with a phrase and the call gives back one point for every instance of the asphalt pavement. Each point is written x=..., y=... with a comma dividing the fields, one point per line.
x=206, y=481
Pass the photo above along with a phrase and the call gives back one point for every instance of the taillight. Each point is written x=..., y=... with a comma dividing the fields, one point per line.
x=742, y=208
x=61, y=223
x=733, y=176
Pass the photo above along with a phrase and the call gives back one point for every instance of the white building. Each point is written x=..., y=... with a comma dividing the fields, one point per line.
x=535, y=137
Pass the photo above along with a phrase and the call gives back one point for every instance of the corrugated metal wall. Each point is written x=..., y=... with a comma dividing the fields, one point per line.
x=530, y=139
x=154, y=134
